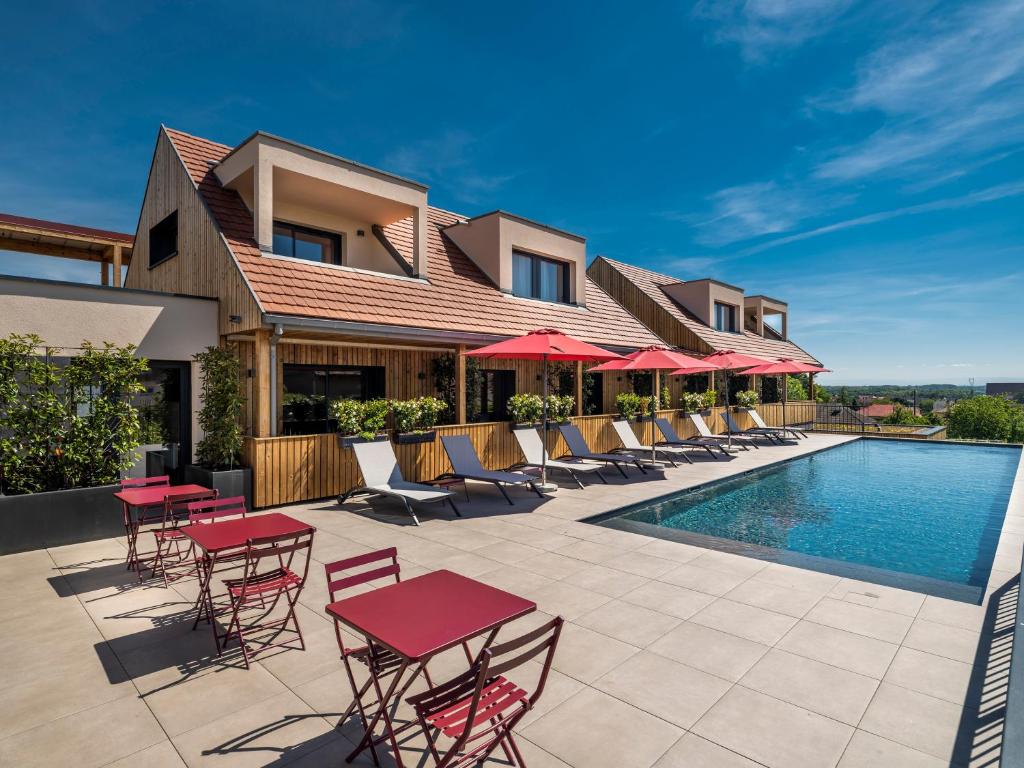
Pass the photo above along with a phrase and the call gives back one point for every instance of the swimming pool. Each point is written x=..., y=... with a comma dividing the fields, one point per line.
x=912, y=514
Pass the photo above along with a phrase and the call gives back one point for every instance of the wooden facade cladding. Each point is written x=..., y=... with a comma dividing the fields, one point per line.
x=204, y=265
x=305, y=467
x=645, y=309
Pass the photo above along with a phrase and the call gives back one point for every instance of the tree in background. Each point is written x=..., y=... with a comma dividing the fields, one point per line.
x=906, y=417
x=795, y=388
x=987, y=418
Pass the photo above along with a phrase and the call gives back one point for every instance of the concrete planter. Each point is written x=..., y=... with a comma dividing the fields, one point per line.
x=55, y=518
x=227, y=482
x=347, y=441
x=413, y=438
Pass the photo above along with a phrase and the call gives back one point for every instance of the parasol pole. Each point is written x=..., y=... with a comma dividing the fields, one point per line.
x=655, y=402
x=544, y=431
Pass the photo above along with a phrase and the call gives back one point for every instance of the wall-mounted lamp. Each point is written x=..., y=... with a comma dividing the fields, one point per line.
x=421, y=375
x=250, y=373
x=235, y=318
x=360, y=233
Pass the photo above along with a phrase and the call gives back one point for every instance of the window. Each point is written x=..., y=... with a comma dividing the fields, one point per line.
x=307, y=243
x=496, y=387
x=725, y=317
x=309, y=389
x=538, y=278
x=163, y=240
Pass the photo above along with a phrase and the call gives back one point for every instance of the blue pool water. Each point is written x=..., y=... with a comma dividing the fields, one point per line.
x=933, y=511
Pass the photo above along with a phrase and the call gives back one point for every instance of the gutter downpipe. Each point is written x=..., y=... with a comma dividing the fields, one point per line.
x=274, y=338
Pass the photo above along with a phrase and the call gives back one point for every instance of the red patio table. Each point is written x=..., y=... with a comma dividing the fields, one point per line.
x=231, y=536
x=138, y=499
x=419, y=618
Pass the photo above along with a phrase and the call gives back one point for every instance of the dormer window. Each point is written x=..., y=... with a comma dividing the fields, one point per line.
x=307, y=243
x=535, y=277
x=725, y=317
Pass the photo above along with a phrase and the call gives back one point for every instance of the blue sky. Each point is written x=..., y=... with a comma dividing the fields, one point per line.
x=863, y=161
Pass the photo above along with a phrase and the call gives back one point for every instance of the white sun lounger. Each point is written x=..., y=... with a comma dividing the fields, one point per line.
x=759, y=423
x=672, y=438
x=705, y=432
x=382, y=476
x=771, y=436
x=533, y=451
x=466, y=465
x=631, y=444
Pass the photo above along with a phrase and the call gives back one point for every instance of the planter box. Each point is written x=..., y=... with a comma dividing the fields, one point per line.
x=347, y=441
x=55, y=518
x=554, y=425
x=227, y=482
x=140, y=467
x=513, y=426
x=412, y=438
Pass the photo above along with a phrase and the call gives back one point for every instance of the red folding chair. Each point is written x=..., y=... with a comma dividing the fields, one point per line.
x=169, y=554
x=479, y=708
x=202, y=513
x=380, y=662
x=145, y=515
x=261, y=584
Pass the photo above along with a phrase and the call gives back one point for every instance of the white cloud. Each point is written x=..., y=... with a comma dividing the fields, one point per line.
x=751, y=210
x=762, y=28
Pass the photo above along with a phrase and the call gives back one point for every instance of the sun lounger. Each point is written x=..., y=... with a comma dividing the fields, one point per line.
x=579, y=449
x=759, y=424
x=672, y=438
x=533, y=451
x=705, y=433
x=771, y=436
x=466, y=466
x=382, y=476
x=631, y=444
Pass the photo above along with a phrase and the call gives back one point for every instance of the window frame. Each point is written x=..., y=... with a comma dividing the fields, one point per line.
x=367, y=373
x=536, y=260
x=338, y=238
x=732, y=312
x=173, y=215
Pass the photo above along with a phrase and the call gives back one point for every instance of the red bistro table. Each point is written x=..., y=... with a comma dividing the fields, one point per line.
x=139, y=500
x=230, y=537
x=418, y=619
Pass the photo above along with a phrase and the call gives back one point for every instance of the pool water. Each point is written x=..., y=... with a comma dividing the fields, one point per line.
x=931, y=511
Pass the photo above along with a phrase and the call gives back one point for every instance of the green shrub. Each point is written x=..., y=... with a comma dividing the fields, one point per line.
x=417, y=415
x=666, y=398
x=525, y=408
x=560, y=407
x=747, y=399
x=710, y=398
x=645, y=404
x=430, y=411
x=628, y=404
x=987, y=418
x=375, y=418
x=692, y=401
x=221, y=412
x=348, y=414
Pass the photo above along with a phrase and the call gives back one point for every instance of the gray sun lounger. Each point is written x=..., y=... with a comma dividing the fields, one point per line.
x=771, y=436
x=672, y=438
x=704, y=431
x=631, y=444
x=533, y=451
x=759, y=424
x=579, y=449
x=382, y=476
x=466, y=466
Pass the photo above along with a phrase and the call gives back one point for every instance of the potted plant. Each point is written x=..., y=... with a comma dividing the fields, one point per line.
x=666, y=398
x=645, y=402
x=525, y=410
x=709, y=399
x=219, y=453
x=628, y=405
x=415, y=419
x=746, y=400
x=692, y=402
x=360, y=422
x=560, y=408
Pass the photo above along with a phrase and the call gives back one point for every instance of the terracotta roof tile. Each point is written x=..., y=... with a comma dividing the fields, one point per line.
x=458, y=296
x=748, y=342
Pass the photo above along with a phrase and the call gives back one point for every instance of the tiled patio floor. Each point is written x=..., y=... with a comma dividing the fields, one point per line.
x=673, y=656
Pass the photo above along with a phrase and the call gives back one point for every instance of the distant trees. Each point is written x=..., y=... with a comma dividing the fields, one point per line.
x=987, y=418
x=905, y=416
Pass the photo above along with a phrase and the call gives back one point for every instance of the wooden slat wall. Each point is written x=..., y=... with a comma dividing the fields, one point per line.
x=203, y=266
x=292, y=469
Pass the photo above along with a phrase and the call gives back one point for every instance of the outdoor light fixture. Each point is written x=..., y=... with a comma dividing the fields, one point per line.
x=235, y=318
x=360, y=233
x=421, y=375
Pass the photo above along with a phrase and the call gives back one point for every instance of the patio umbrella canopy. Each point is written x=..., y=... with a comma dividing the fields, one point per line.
x=785, y=367
x=655, y=359
x=544, y=344
x=729, y=360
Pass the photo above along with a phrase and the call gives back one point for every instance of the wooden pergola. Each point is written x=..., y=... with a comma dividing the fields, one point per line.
x=111, y=250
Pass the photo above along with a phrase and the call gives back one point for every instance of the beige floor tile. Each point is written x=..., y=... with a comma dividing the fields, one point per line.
x=934, y=675
x=640, y=564
x=797, y=578
x=671, y=550
x=952, y=612
x=774, y=597
x=566, y=600
x=606, y=581
x=586, y=655
x=514, y=580
x=870, y=622
x=812, y=685
x=162, y=755
x=590, y=551
x=669, y=599
x=508, y=552
x=662, y=687
x=878, y=596
x=596, y=730
x=709, y=650
x=847, y=650
x=276, y=730
x=692, y=751
x=943, y=640
x=553, y=565
x=627, y=622
x=726, y=562
x=92, y=737
x=869, y=751
x=761, y=626
x=773, y=732
x=702, y=579
x=913, y=719
x=558, y=688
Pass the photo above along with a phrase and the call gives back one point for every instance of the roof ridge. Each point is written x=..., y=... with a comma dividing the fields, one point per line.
x=180, y=132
